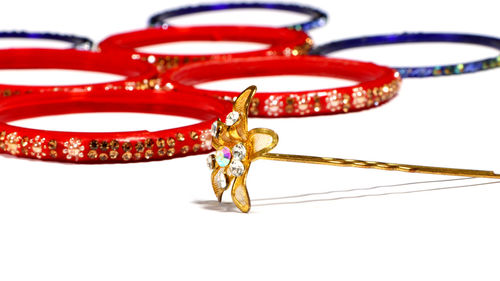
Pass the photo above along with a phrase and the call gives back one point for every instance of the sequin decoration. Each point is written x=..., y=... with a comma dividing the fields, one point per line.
x=273, y=106
x=37, y=147
x=73, y=148
x=12, y=143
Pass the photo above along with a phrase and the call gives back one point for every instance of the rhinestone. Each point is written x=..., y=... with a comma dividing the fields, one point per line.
x=236, y=168
x=126, y=156
x=126, y=146
x=104, y=145
x=113, y=154
x=162, y=151
x=149, y=143
x=220, y=179
x=171, y=142
x=151, y=59
x=239, y=151
x=139, y=147
x=215, y=129
x=92, y=154
x=160, y=142
x=170, y=152
x=137, y=156
x=114, y=145
x=180, y=137
x=53, y=154
x=185, y=149
x=254, y=106
x=93, y=145
x=103, y=156
x=223, y=156
x=25, y=141
x=196, y=147
x=232, y=117
x=52, y=144
x=193, y=135
x=211, y=161
x=149, y=154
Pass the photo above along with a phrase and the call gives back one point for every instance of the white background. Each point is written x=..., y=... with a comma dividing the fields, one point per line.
x=160, y=221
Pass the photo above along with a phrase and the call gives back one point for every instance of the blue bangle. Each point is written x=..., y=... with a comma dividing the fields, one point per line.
x=318, y=17
x=425, y=71
x=77, y=42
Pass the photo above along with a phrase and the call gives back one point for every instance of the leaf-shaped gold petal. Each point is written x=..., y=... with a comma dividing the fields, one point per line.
x=242, y=103
x=218, y=190
x=239, y=130
x=262, y=141
x=239, y=193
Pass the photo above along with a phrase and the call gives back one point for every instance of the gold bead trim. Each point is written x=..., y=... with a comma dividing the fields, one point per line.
x=329, y=101
x=104, y=150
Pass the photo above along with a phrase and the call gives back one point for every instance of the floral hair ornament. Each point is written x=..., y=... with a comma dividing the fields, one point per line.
x=237, y=147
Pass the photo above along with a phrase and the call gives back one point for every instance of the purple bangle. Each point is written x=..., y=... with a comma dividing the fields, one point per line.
x=426, y=71
x=77, y=42
x=318, y=17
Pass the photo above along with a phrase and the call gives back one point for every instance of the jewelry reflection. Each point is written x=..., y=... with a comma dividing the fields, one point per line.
x=352, y=193
x=236, y=147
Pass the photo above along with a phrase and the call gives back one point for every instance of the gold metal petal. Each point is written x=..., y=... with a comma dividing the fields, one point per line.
x=239, y=193
x=241, y=105
x=217, y=190
x=262, y=141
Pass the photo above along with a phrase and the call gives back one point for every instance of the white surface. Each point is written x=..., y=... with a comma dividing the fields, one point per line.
x=159, y=221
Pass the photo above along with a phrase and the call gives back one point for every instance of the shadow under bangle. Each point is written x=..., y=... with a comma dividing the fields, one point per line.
x=282, y=42
x=77, y=42
x=237, y=147
x=112, y=147
x=376, y=84
x=424, y=71
x=318, y=17
x=138, y=75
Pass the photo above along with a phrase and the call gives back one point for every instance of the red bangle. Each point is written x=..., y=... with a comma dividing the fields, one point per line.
x=113, y=147
x=139, y=75
x=377, y=84
x=282, y=41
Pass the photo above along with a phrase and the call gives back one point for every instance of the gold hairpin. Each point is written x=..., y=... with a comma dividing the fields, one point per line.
x=236, y=147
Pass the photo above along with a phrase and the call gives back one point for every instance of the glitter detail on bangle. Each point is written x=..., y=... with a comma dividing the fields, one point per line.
x=73, y=148
x=425, y=71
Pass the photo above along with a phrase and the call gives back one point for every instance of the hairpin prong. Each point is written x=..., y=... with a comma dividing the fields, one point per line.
x=379, y=165
x=236, y=147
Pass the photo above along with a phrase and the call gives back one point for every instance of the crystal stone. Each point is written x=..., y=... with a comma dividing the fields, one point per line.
x=220, y=179
x=232, y=117
x=236, y=168
x=223, y=156
x=239, y=151
x=211, y=161
x=215, y=129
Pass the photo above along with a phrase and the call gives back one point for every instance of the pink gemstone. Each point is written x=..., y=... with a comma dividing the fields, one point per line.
x=223, y=156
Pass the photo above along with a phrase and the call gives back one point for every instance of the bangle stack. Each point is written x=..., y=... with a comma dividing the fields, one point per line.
x=168, y=84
